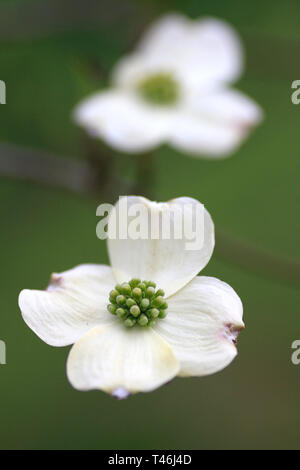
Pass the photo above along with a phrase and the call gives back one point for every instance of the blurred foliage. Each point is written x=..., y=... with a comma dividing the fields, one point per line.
x=254, y=195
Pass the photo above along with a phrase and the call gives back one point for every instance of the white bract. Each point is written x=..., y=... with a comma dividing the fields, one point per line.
x=175, y=89
x=197, y=336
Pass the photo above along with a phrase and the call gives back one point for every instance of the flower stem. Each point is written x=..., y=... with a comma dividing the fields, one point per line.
x=100, y=158
x=112, y=172
x=145, y=175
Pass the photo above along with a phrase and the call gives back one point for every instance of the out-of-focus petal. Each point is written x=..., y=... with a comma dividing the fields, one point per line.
x=227, y=106
x=133, y=68
x=200, y=136
x=215, y=51
x=166, y=35
x=201, y=54
x=123, y=121
x=208, y=51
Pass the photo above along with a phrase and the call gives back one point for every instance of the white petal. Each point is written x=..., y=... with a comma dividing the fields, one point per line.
x=216, y=51
x=229, y=107
x=202, y=325
x=133, y=68
x=162, y=49
x=170, y=262
x=200, y=54
x=123, y=121
x=165, y=35
x=74, y=302
x=199, y=136
x=121, y=361
x=208, y=50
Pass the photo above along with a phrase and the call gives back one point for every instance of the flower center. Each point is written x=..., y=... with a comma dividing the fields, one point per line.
x=160, y=89
x=137, y=303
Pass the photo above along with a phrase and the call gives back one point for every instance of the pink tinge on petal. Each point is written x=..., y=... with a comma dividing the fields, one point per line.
x=55, y=282
x=120, y=393
x=231, y=332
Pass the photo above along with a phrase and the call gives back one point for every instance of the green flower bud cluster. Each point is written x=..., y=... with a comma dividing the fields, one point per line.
x=137, y=303
x=159, y=89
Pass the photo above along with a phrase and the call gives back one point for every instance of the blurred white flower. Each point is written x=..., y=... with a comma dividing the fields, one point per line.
x=139, y=341
x=175, y=89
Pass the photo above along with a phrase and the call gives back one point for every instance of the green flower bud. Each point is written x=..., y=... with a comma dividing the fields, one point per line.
x=150, y=291
x=129, y=322
x=160, y=292
x=121, y=313
x=126, y=289
x=134, y=282
x=162, y=314
x=135, y=311
x=159, y=89
x=112, y=309
x=143, y=320
x=137, y=303
x=151, y=284
x=120, y=299
x=158, y=301
x=130, y=302
x=137, y=293
x=154, y=312
x=145, y=304
x=113, y=294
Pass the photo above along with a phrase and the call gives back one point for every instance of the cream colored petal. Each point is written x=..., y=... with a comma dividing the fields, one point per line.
x=74, y=302
x=121, y=361
x=134, y=68
x=170, y=259
x=229, y=107
x=207, y=50
x=215, y=50
x=202, y=325
x=161, y=50
x=168, y=34
x=123, y=121
x=198, y=135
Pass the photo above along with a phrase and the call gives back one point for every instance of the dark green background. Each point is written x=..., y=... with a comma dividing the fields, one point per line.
x=49, y=57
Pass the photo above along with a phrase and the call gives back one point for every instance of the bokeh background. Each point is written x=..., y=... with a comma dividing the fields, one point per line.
x=53, y=53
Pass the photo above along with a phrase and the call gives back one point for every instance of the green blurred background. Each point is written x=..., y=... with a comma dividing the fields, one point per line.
x=51, y=56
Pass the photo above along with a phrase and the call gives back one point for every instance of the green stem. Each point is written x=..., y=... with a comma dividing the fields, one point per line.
x=100, y=158
x=145, y=175
x=110, y=169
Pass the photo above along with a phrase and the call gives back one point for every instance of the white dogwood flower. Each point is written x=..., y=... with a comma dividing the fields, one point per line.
x=144, y=320
x=175, y=89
